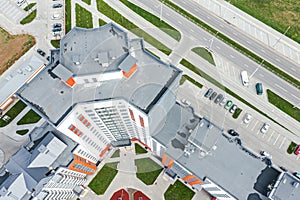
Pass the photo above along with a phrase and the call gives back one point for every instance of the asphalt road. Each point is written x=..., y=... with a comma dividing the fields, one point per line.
x=265, y=52
x=195, y=36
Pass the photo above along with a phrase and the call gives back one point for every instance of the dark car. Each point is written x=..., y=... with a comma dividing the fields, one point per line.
x=56, y=29
x=233, y=132
x=57, y=5
x=283, y=168
x=259, y=88
x=41, y=52
x=214, y=94
x=296, y=174
x=57, y=25
x=208, y=92
x=233, y=108
x=218, y=99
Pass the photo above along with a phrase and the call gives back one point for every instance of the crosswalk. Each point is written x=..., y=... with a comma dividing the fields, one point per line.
x=12, y=11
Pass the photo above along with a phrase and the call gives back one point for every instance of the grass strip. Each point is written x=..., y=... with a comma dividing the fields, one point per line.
x=178, y=191
x=101, y=22
x=29, y=6
x=219, y=85
x=68, y=21
x=55, y=43
x=104, y=177
x=165, y=27
x=30, y=117
x=152, y=53
x=186, y=77
x=111, y=13
x=29, y=18
x=237, y=113
x=84, y=17
x=233, y=44
x=13, y=112
x=283, y=105
x=205, y=54
x=291, y=148
x=22, y=132
x=87, y=2
x=116, y=154
x=147, y=170
x=139, y=149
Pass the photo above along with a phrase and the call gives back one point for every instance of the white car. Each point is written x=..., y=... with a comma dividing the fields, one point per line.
x=264, y=153
x=222, y=103
x=245, y=78
x=55, y=16
x=265, y=128
x=247, y=118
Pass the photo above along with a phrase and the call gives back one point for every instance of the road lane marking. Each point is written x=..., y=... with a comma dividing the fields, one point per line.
x=218, y=47
x=276, y=139
x=234, y=33
x=192, y=30
x=248, y=42
x=263, y=50
x=232, y=56
x=180, y=22
x=280, y=87
x=277, y=59
x=204, y=38
x=295, y=96
x=246, y=65
x=270, y=136
x=282, y=142
x=261, y=75
x=293, y=69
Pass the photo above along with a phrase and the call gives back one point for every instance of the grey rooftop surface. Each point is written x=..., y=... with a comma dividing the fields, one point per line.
x=288, y=188
x=54, y=98
x=11, y=83
x=211, y=154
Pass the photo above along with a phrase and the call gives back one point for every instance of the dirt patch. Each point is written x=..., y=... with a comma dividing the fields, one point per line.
x=12, y=47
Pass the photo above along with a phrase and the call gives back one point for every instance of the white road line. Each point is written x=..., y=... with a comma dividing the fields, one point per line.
x=295, y=96
x=246, y=65
x=280, y=87
x=204, y=38
x=264, y=135
x=248, y=42
x=254, y=126
x=261, y=75
x=293, y=69
x=192, y=30
x=208, y=17
x=234, y=33
x=277, y=59
x=180, y=22
x=263, y=50
x=282, y=142
x=232, y=56
x=184, y=2
x=270, y=136
x=276, y=140
x=218, y=47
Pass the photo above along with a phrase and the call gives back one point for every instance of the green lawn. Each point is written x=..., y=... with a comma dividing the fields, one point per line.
x=178, y=191
x=104, y=177
x=147, y=170
x=29, y=6
x=22, y=132
x=205, y=54
x=283, y=105
x=13, y=112
x=291, y=148
x=278, y=14
x=55, y=43
x=29, y=18
x=139, y=149
x=87, y=1
x=84, y=17
x=186, y=77
x=118, y=18
x=116, y=154
x=196, y=70
x=237, y=113
x=68, y=24
x=153, y=19
x=102, y=22
x=232, y=43
x=30, y=117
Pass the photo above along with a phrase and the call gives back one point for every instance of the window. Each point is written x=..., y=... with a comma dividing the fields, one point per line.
x=131, y=114
x=142, y=121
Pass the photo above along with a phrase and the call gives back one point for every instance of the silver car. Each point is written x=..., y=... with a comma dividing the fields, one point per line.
x=265, y=128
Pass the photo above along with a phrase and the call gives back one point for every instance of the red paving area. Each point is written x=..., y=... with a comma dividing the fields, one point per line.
x=140, y=196
x=120, y=195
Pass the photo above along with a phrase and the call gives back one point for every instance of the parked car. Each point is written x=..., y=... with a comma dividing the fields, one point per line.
x=223, y=102
x=233, y=132
x=55, y=16
x=245, y=78
x=41, y=52
x=297, y=150
x=265, y=128
x=296, y=174
x=56, y=29
x=214, y=94
x=233, y=108
x=259, y=88
x=56, y=25
x=228, y=104
x=57, y=5
x=218, y=99
x=208, y=92
x=247, y=118
x=266, y=154
x=48, y=58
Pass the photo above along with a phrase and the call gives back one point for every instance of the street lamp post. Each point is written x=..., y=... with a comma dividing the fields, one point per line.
x=288, y=28
x=256, y=69
x=211, y=42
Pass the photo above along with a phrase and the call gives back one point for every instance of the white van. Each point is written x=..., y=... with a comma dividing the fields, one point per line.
x=245, y=78
x=55, y=16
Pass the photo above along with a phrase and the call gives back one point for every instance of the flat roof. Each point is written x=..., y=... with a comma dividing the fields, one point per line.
x=217, y=157
x=54, y=98
x=288, y=188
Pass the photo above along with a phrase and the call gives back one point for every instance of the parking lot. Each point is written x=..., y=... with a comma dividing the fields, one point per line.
x=55, y=19
x=271, y=141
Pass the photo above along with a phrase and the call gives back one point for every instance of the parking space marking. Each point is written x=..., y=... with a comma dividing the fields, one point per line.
x=232, y=56
x=263, y=50
x=218, y=47
x=246, y=65
x=254, y=126
x=263, y=135
x=270, y=136
x=192, y=30
x=276, y=139
x=282, y=142
x=261, y=75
